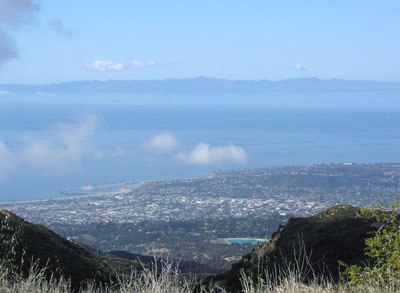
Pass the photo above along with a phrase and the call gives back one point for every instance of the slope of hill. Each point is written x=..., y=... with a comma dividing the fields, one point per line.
x=311, y=246
x=22, y=242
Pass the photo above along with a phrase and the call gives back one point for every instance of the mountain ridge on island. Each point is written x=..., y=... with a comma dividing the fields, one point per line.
x=199, y=85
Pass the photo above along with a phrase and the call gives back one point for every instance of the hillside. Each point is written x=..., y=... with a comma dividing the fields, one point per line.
x=317, y=242
x=21, y=242
x=310, y=247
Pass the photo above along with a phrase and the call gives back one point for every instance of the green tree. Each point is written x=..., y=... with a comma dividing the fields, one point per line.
x=383, y=249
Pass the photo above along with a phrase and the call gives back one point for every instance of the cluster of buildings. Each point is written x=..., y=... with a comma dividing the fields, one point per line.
x=236, y=193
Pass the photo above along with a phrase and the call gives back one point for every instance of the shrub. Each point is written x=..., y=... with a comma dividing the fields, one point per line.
x=382, y=249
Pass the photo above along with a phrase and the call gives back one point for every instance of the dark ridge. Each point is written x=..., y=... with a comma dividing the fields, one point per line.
x=337, y=234
x=22, y=242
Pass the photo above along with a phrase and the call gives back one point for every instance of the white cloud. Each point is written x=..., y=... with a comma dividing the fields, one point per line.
x=58, y=26
x=13, y=14
x=17, y=12
x=144, y=64
x=300, y=67
x=59, y=150
x=162, y=143
x=203, y=154
x=62, y=149
x=105, y=65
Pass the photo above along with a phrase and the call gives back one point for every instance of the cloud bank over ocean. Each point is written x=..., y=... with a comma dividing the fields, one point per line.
x=60, y=151
x=200, y=154
x=62, y=148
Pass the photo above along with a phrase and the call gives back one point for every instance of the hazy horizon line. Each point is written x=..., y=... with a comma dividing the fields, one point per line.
x=202, y=77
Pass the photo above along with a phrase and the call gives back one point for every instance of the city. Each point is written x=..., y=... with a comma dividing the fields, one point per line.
x=187, y=218
x=242, y=193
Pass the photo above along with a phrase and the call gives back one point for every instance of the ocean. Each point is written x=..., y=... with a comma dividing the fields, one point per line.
x=48, y=148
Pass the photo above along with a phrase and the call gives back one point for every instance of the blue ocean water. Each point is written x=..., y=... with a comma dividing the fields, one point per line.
x=271, y=135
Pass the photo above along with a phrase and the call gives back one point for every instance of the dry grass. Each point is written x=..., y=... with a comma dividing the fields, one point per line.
x=169, y=281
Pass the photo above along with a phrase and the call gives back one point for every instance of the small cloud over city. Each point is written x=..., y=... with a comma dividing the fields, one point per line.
x=204, y=154
x=162, y=143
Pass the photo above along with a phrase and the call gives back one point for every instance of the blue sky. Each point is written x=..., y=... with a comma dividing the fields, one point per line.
x=56, y=41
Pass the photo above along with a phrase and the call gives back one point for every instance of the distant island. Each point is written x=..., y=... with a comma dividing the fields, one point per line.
x=200, y=85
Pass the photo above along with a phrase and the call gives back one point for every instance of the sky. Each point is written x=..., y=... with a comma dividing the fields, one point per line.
x=51, y=41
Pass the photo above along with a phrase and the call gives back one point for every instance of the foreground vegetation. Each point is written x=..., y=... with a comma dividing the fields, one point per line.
x=169, y=281
x=381, y=273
